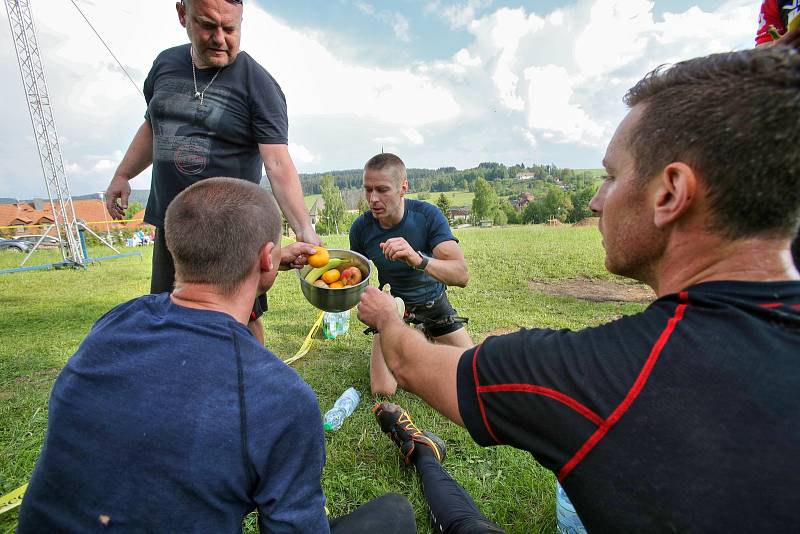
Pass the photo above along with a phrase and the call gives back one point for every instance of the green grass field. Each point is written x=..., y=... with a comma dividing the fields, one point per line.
x=46, y=314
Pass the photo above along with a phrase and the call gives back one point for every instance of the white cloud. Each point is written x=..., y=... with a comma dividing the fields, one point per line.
x=414, y=136
x=459, y=15
x=105, y=165
x=300, y=154
x=523, y=85
x=550, y=107
x=465, y=59
x=317, y=83
x=396, y=21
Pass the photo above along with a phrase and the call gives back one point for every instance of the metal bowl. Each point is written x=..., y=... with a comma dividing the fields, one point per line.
x=337, y=300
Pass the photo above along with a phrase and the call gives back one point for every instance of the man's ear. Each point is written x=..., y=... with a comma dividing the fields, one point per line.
x=265, y=257
x=403, y=187
x=181, y=9
x=676, y=189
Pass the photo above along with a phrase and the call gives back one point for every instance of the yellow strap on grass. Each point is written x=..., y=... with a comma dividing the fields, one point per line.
x=9, y=501
x=306, y=346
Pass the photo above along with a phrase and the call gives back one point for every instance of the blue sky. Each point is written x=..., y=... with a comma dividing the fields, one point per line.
x=441, y=83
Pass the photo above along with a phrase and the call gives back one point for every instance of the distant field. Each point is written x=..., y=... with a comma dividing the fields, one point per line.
x=457, y=198
x=44, y=315
x=596, y=173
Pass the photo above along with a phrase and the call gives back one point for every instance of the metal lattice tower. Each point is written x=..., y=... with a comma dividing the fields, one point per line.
x=44, y=128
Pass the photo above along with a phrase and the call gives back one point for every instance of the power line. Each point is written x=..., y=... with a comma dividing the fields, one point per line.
x=107, y=47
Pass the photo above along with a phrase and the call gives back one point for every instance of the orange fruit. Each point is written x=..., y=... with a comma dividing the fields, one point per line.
x=320, y=258
x=336, y=285
x=331, y=276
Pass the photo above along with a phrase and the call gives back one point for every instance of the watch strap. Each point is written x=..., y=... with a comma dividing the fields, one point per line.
x=425, y=260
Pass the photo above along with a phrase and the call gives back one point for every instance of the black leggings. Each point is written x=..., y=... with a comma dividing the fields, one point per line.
x=388, y=514
x=452, y=509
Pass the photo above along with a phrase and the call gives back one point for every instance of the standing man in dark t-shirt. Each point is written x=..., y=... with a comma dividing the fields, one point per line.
x=684, y=417
x=211, y=111
x=415, y=252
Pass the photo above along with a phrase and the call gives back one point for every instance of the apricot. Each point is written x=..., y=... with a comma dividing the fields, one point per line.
x=331, y=276
x=320, y=258
x=352, y=276
x=336, y=285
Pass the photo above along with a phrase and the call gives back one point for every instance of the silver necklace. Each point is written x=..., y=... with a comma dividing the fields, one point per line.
x=197, y=93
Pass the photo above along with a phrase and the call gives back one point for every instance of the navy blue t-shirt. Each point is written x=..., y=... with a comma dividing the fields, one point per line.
x=172, y=418
x=424, y=227
x=684, y=418
x=244, y=106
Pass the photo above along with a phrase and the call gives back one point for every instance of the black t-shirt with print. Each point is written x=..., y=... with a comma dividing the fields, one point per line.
x=685, y=417
x=242, y=107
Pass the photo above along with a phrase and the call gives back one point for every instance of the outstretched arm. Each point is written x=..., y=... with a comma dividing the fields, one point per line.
x=428, y=370
x=285, y=182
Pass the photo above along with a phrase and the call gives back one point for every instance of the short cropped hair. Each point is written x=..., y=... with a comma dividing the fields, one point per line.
x=216, y=228
x=388, y=161
x=735, y=119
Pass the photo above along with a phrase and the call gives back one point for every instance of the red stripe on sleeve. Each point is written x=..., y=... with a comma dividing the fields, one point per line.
x=547, y=392
x=478, y=394
x=772, y=305
x=637, y=387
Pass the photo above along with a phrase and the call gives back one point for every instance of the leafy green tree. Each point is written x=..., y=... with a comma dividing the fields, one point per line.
x=557, y=204
x=423, y=195
x=580, y=204
x=443, y=203
x=132, y=209
x=333, y=214
x=500, y=217
x=512, y=215
x=363, y=205
x=485, y=201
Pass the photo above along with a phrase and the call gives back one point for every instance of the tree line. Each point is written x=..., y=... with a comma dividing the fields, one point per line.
x=560, y=194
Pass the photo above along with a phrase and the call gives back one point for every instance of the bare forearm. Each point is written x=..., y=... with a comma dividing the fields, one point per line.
x=285, y=183
x=422, y=368
x=139, y=155
x=448, y=272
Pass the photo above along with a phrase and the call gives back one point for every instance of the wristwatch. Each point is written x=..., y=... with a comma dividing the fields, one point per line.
x=425, y=260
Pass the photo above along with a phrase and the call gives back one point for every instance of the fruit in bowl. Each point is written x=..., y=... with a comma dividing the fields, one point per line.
x=351, y=276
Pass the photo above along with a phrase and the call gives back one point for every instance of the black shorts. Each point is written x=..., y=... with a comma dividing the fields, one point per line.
x=162, y=278
x=437, y=316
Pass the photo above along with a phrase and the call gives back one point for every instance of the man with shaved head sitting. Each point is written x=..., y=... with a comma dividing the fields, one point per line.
x=171, y=416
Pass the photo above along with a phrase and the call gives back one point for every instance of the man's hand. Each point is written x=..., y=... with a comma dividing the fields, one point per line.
x=398, y=249
x=790, y=38
x=377, y=307
x=308, y=235
x=118, y=189
x=295, y=256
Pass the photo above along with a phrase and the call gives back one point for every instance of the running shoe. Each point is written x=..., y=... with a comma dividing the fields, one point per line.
x=398, y=425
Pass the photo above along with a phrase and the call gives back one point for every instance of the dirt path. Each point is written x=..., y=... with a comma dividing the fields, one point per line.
x=595, y=290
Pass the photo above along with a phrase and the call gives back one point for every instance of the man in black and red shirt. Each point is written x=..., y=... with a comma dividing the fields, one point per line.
x=685, y=417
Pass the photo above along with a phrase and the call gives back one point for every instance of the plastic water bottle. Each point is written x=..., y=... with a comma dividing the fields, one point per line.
x=335, y=324
x=343, y=407
x=567, y=520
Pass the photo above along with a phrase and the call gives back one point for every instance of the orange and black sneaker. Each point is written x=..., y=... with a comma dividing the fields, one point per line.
x=398, y=425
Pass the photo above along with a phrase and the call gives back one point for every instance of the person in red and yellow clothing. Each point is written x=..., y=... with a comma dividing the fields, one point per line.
x=783, y=15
